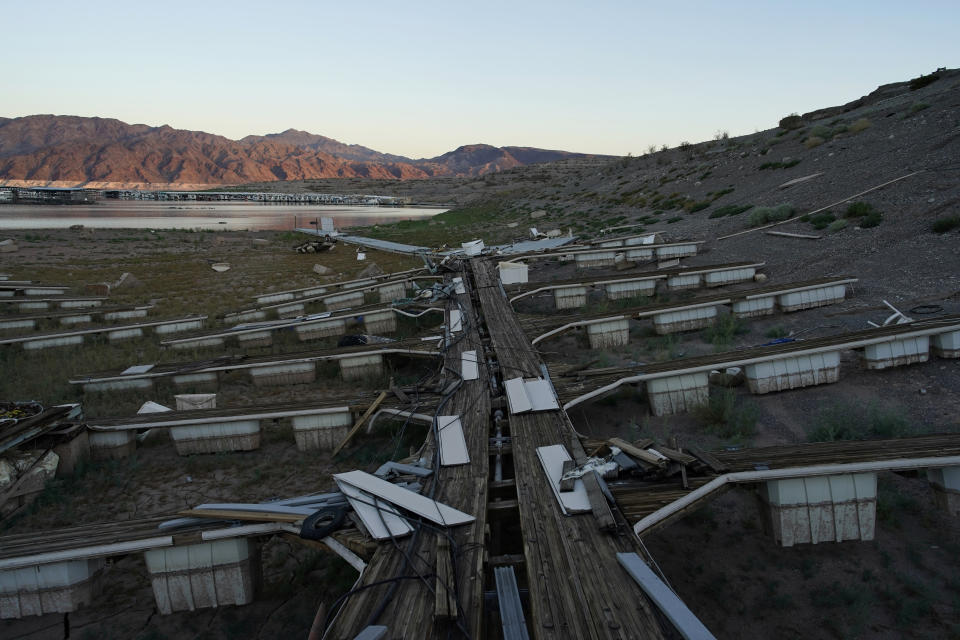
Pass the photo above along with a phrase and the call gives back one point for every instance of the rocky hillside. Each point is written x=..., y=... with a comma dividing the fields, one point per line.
x=75, y=150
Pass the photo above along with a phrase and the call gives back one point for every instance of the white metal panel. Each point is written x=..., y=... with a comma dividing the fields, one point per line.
x=517, y=396
x=404, y=498
x=541, y=394
x=379, y=517
x=468, y=365
x=453, y=446
x=459, y=288
x=672, y=606
x=552, y=458
x=456, y=321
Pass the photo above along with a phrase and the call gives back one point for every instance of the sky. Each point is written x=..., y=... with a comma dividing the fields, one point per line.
x=419, y=78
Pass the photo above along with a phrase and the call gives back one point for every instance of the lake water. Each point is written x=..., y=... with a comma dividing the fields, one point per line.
x=139, y=214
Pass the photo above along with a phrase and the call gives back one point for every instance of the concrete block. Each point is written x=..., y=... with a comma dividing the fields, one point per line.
x=193, y=401
x=639, y=255
x=119, y=385
x=822, y=508
x=199, y=343
x=59, y=587
x=684, y=320
x=210, y=574
x=320, y=329
x=793, y=372
x=595, y=259
x=754, y=308
x=358, y=367
x=380, y=322
x=291, y=310
x=604, y=335
x=178, y=327
x=125, y=315
x=125, y=334
x=621, y=290
x=570, y=297
x=255, y=339
x=946, y=485
x=684, y=281
x=676, y=251
x=344, y=300
x=897, y=352
x=279, y=374
x=271, y=298
x=72, y=320
x=729, y=276
x=321, y=432
x=46, y=343
x=391, y=292
x=677, y=394
x=207, y=380
x=112, y=445
x=215, y=437
x=947, y=345
x=811, y=298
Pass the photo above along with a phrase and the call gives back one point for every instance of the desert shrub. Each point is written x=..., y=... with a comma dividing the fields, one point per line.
x=813, y=141
x=872, y=219
x=792, y=121
x=859, y=125
x=674, y=219
x=941, y=225
x=821, y=131
x=860, y=422
x=693, y=207
x=821, y=220
x=763, y=215
x=725, y=418
x=858, y=210
x=923, y=80
x=730, y=210
x=837, y=225
x=780, y=165
x=919, y=106
x=721, y=334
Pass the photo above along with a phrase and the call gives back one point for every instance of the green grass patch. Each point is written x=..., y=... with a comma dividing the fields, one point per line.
x=726, y=418
x=763, y=215
x=850, y=421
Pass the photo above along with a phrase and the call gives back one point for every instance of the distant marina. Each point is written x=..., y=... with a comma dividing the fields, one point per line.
x=201, y=214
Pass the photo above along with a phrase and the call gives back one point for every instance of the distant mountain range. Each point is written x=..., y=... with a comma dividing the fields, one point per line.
x=77, y=150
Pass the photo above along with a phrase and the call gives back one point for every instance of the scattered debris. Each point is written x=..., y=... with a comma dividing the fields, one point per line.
x=370, y=271
x=220, y=267
x=8, y=246
x=130, y=281
x=804, y=236
x=321, y=270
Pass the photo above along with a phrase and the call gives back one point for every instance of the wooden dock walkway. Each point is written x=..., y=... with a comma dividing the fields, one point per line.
x=577, y=589
x=407, y=601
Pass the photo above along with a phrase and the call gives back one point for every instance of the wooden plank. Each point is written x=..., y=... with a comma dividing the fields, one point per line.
x=566, y=484
x=676, y=456
x=359, y=423
x=598, y=502
x=445, y=603
x=236, y=514
x=636, y=452
x=708, y=459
